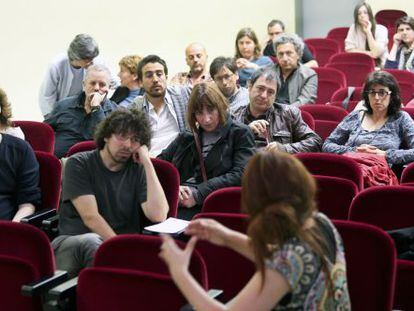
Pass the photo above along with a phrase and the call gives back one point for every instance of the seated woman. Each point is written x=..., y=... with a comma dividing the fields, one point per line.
x=365, y=36
x=298, y=253
x=130, y=86
x=5, y=115
x=214, y=155
x=19, y=170
x=381, y=128
x=248, y=56
x=402, y=52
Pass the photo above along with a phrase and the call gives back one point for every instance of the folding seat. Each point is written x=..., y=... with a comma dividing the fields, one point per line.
x=225, y=200
x=340, y=95
x=324, y=49
x=26, y=265
x=308, y=119
x=38, y=134
x=407, y=175
x=405, y=80
x=82, y=146
x=352, y=58
x=329, y=164
x=107, y=289
x=325, y=112
x=371, y=265
x=355, y=73
x=329, y=81
x=324, y=128
x=338, y=34
x=390, y=208
x=334, y=196
x=50, y=171
x=388, y=17
x=226, y=269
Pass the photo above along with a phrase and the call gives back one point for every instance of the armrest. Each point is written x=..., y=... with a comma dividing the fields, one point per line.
x=36, y=288
x=64, y=290
x=51, y=222
x=213, y=293
x=36, y=218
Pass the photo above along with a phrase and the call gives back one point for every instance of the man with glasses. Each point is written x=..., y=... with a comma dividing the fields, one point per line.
x=223, y=70
x=74, y=119
x=108, y=191
x=165, y=106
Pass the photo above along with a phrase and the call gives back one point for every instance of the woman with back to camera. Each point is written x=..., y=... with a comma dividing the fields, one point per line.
x=381, y=128
x=248, y=56
x=402, y=52
x=366, y=36
x=297, y=251
x=214, y=154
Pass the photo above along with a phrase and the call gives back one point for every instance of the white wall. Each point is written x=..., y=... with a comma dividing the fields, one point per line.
x=32, y=32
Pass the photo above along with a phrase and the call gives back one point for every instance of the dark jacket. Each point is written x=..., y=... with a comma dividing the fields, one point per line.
x=224, y=163
x=286, y=127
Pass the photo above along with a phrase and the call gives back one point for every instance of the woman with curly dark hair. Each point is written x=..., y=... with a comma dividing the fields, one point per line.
x=298, y=253
x=6, y=126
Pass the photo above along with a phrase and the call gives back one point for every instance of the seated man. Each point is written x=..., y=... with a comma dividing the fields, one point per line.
x=299, y=84
x=274, y=29
x=111, y=190
x=196, y=59
x=66, y=73
x=130, y=86
x=19, y=175
x=224, y=72
x=275, y=125
x=74, y=119
x=165, y=106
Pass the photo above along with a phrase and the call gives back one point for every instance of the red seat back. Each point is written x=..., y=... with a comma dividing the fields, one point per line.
x=225, y=200
x=407, y=175
x=355, y=73
x=338, y=34
x=308, y=119
x=329, y=81
x=388, y=17
x=39, y=135
x=339, y=96
x=371, y=265
x=81, y=147
x=325, y=112
x=324, y=49
x=324, y=128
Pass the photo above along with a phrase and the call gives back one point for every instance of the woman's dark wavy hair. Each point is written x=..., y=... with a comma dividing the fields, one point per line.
x=278, y=194
x=5, y=110
x=385, y=79
x=126, y=122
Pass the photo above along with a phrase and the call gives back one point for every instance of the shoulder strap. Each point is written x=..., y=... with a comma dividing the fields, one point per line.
x=200, y=156
x=345, y=102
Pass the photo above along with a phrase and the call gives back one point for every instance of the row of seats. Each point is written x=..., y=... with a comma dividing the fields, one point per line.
x=136, y=277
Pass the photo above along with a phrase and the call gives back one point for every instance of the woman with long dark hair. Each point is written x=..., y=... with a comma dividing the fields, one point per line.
x=297, y=251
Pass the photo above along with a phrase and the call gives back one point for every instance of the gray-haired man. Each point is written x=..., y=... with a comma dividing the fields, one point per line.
x=74, y=118
x=299, y=84
x=66, y=72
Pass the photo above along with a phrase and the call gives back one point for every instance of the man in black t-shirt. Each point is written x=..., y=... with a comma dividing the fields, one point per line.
x=108, y=191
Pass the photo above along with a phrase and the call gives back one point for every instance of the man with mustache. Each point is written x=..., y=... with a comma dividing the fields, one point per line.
x=108, y=191
x=165, y=106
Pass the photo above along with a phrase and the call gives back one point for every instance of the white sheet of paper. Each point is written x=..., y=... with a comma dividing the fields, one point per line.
x=171, y=225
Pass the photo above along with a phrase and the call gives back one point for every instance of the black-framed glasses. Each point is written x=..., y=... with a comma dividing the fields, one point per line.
x=380, y=93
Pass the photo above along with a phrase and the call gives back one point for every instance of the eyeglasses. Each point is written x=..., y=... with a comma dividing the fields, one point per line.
x=380, y=93
x=133, y=138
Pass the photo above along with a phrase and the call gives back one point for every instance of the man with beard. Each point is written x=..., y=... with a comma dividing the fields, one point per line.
x=224, y=72
x=196, y=59
x=108, y=191
x=165, y=106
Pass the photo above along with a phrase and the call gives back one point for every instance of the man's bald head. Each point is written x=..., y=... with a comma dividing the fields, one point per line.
x=196, y=57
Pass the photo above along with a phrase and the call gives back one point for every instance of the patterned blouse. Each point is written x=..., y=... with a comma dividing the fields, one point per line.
x=397, y=133
x=301, y=267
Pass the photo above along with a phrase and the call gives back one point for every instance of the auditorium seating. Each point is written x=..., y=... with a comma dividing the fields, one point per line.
x=388, y=17
x=324, y=49
x=38, y=134
x=355, y=73
x=81, y=147
x=329, y=164
x=308, y=119
x=338, y=34
x=371, y=265
x=324, y=128
x=225, y=200
x=334, y=196
x=352, y=58
x=226, y=269
x=405, y=81
x=26, y=264
x=329, y=80
x=390, y=208
x=325, y=112
x=407, y=175
x=340, y=95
